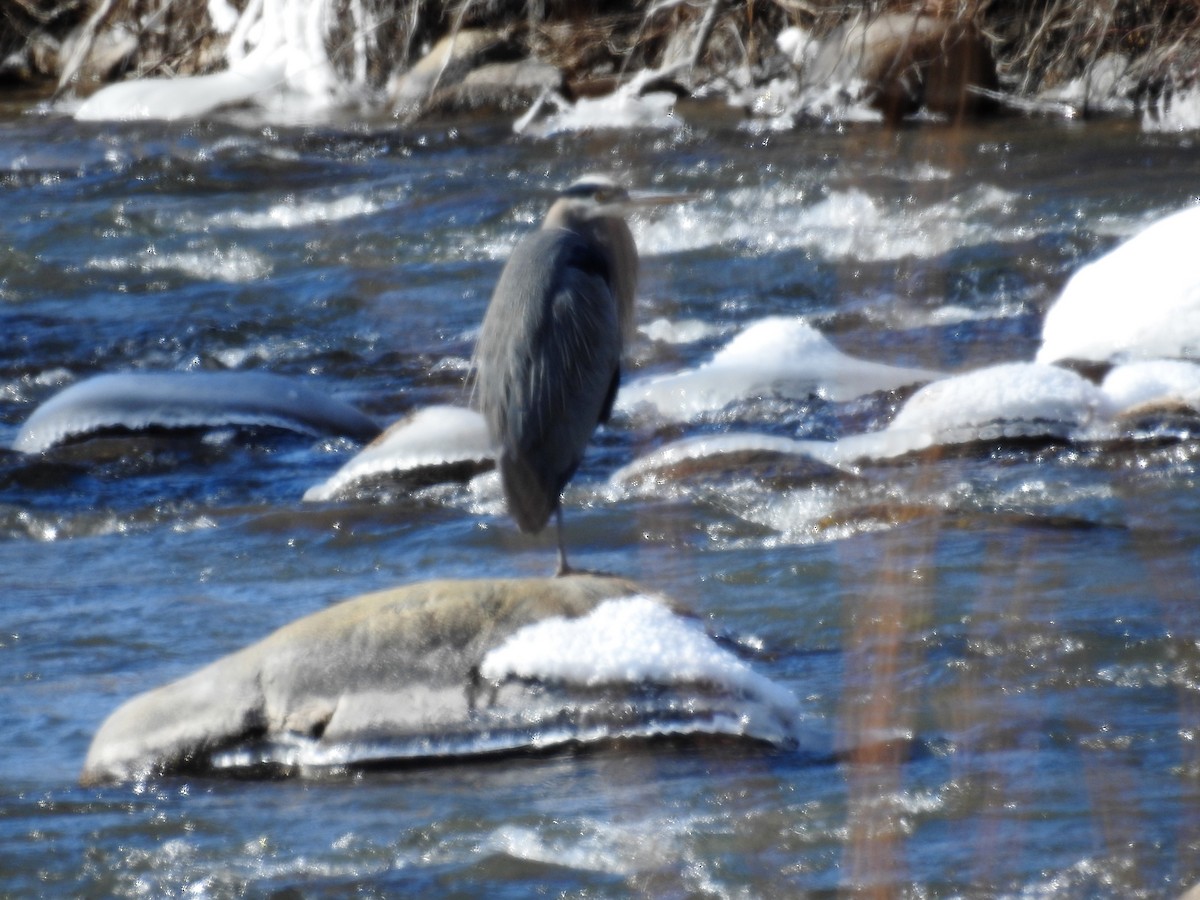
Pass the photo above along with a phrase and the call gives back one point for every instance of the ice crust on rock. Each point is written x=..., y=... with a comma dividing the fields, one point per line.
x=775, y=356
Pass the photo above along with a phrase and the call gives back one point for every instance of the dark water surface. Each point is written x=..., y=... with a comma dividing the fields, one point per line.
x=1027, y=615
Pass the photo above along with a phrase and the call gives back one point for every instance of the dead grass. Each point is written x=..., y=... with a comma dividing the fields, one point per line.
x=1046, y=42
x=1038, y=43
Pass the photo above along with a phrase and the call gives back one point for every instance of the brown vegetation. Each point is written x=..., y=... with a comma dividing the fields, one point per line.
x=1046, y=42
x=1037, y=43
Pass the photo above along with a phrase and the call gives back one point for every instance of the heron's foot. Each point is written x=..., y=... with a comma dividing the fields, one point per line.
x=564, y=568
x=564, y=572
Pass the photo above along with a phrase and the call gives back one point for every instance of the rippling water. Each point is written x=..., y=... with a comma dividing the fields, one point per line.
x=1006, y=637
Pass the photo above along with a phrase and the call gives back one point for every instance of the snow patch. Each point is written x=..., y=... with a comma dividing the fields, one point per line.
x=632, y=640
x=1005, y=401
x=1153, y=383
x=1139, y=301
x=775, y=356
x=431, y=437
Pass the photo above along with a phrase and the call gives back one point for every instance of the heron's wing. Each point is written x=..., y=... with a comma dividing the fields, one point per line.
x=546, y=360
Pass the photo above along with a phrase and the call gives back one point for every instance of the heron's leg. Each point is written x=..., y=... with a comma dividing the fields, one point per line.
x=563, y=568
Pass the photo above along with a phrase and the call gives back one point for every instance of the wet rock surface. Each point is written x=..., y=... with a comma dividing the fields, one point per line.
x=399, y=663
x=448, y=669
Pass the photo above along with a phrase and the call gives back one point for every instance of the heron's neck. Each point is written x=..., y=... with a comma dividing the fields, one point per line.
x=612, y=237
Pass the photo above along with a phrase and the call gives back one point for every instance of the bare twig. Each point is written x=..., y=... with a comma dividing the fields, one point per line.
x=83, y=46
x=45, y=17
x=801, y=6
x=704, y=32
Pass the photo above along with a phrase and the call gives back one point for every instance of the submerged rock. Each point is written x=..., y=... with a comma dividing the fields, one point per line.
x=137, y=401
x=442, y=669
x=770, y=460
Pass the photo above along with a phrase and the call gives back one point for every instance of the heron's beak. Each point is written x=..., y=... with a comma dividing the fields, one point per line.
x=639, y=199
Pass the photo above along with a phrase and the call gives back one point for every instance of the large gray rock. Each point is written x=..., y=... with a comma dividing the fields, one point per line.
x=447, y=669
x=905, y=61
x=445, y=65
x=499, y=87
x=400, y=663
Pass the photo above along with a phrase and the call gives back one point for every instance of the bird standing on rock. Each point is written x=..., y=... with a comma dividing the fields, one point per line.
x=548, y=359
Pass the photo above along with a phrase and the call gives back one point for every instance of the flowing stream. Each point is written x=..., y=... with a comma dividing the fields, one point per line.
x=1006, y=637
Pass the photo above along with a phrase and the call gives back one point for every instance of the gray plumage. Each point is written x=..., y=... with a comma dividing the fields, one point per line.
x=548, y=358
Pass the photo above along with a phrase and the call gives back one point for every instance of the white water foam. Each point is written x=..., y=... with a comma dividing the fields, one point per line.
x=231, y=264
x=292, y=213
x=847, y=224
x=678, y=331
x=601, y=847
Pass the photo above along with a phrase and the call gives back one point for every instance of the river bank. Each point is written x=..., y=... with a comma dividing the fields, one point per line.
x=778, y=64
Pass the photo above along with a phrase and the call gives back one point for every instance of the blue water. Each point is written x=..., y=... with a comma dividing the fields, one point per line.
x=1020, y=622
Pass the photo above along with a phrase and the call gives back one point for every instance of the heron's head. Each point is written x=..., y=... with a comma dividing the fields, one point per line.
x=590, y=197
x=600, y=196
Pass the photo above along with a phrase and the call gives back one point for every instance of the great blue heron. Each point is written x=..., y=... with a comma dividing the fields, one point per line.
x=548, y=357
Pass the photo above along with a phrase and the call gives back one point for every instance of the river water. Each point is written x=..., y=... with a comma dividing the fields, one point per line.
x=1019, y=621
